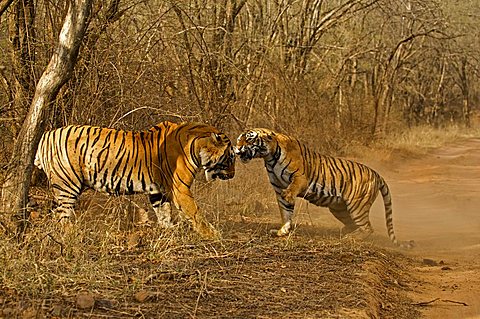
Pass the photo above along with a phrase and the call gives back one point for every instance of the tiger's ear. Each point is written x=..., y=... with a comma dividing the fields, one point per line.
x=217, y=139
x=269, y=136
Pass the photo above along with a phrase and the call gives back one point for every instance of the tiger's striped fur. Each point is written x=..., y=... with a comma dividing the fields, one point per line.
x=161, y=162
x=347, y=188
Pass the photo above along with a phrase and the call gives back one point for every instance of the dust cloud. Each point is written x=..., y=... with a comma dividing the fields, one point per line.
x=436, y=199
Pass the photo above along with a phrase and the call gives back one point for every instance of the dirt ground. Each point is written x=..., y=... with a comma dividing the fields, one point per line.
x=437, y=203
x=101, y=270
x=436, y=199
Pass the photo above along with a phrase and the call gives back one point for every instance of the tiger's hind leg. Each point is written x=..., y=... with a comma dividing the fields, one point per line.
x=360, y=217
x=163, y=209
x=65, y=197
x=340, y=212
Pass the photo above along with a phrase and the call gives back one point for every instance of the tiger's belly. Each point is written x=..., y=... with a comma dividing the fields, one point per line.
x=320, y=196
x=125, y=188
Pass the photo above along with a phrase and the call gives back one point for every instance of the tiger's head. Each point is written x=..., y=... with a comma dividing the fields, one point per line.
x=254, y=143
x=217, y=157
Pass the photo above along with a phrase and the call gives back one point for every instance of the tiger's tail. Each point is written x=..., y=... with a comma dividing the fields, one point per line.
x=387, y=201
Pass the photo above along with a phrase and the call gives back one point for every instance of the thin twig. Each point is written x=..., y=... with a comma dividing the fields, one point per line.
x=40, y=197
x=426, y=303
x=115, y=311
x=56, y=241
x=203, y=287
x=457, y=302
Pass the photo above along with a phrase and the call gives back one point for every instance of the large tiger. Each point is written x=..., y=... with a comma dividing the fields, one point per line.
x=161, y=162
x=347, y=188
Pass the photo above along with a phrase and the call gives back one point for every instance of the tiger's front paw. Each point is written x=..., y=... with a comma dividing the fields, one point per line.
x=211, y=235
x=359, y=234
x=277, y=233
x=208, y=232
x=288, y=196
x=285, y=230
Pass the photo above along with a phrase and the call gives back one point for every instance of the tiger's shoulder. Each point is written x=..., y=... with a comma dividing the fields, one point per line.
x=289, y=144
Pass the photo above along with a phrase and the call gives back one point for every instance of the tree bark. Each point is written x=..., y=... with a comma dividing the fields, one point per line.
x=464, y=86
x=59, y=70
x=4, y=4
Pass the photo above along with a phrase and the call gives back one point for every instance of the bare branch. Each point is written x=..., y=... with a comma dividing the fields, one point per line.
x=4, y=4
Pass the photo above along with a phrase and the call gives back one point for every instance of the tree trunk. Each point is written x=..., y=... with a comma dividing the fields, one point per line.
x=464, y=84
x=59, y=70
x=438, y=103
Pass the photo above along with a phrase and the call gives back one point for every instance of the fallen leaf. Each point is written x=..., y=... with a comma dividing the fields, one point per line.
x=134, y=240
x=8, y=312
x=56, y=311
x=141, y=217
x=34, y=214
x=142, y=295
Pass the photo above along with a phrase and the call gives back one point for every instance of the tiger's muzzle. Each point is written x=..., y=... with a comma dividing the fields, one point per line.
x=246, y=154
x=222, y=173
x=223, y=176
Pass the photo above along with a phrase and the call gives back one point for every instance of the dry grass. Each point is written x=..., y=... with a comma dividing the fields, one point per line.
x=422, y=137
x=410, y=143
x=129, y=270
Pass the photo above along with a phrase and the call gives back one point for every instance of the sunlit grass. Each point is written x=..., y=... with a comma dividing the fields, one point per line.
x=422, y=137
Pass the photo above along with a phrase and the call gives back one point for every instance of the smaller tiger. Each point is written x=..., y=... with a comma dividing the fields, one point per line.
x=161, y=162
x=347, y=188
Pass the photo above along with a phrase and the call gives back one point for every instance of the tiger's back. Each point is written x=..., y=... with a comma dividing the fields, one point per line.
x=331, y=178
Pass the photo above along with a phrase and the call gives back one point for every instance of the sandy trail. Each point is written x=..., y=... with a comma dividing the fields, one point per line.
x=437, y=204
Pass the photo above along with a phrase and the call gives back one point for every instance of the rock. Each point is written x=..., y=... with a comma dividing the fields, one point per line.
x=429, y=262
x=85, y=300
